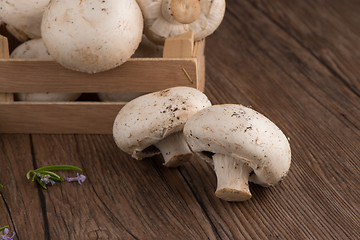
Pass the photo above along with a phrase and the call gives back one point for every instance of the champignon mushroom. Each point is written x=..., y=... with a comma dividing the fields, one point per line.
x=36, y=49
x=167, y=18
x=23, y=17
x=155, y=121
x=243, y=146
x=92, y=36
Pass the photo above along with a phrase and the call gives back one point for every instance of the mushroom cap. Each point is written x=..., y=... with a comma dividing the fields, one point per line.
x=150, y=118
x=92, y=36
x=35, y=48
x=159, y=24
x=244, y=134
x=24, y=15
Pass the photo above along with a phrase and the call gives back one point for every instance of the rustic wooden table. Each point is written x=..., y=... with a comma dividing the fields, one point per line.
x=297, y=62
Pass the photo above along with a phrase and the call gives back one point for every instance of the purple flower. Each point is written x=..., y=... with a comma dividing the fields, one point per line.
x=45, y=179
x=79, y=178
x=5, y=235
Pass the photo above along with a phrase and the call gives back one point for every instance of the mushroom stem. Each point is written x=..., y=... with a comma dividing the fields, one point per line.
x=232, y=178
x=174, y=150
x=185, y=11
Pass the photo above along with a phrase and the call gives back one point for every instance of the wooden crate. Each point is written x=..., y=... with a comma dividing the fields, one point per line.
x=183, y=64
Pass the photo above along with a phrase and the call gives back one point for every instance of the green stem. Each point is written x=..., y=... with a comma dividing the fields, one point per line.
x=59, y=168
x=2, y=228
x=29, y=173
x=53, y=176
x=41, y=184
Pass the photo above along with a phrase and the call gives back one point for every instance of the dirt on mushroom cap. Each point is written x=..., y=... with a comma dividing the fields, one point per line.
x=242, y=133
x=92, y=36
x=152, y=117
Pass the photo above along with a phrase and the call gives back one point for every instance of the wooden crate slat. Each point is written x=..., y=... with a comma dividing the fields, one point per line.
x=4, y=53
x=138, y=75
x=180, y=68
x=59, y=117
x=179, y=46
x=198, y=53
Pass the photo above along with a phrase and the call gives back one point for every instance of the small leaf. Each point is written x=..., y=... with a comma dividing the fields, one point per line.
x=59, y=168
x=1, y=185
x=2, y=228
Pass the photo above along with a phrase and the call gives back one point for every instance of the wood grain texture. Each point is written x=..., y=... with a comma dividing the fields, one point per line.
x=199, y=49
x=181, y=46
x=4, y=54
x=132, y=76
x=20, y=197
x=329, y=30
x=58, y=117
x=176, y=69
x=281, y=69
x=281, y=79
x=121, y=199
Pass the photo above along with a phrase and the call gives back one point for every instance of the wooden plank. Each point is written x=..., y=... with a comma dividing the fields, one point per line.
x=6, y=97
x=4, y=54
x=334, y=34
x=4, y=212
x=198, y=53
x=181, y=46
x=121, y=198
x=20, y=197
x=252, y=61
x=59, y=117
x=136, y=75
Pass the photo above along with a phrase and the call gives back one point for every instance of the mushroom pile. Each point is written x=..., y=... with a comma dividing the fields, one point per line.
x=241, y=144
x=23, y=17
x=35, y=48
x=97, y=35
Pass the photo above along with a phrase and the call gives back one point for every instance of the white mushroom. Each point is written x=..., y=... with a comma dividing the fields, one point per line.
x=92, y=36
x=167, y=18
x=23, y=16
x=155, y=121
x=243, y=146
x=146, y=49
x=36, y=49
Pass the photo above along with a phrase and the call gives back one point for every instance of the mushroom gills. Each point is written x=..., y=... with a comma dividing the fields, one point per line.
x=174, y=150
x=148, y=152
x=207, y=154
x=232, y=178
